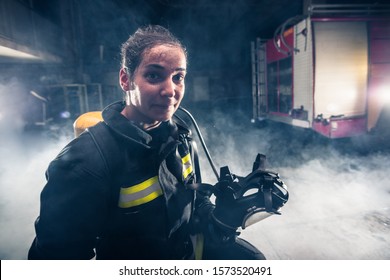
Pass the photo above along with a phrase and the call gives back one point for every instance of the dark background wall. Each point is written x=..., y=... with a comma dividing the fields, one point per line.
x=78, y=42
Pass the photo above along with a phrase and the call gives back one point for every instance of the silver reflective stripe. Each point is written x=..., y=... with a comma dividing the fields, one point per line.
x=140, y=194
x=187, y=166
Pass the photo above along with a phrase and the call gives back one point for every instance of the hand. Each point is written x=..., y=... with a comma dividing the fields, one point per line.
x=239, y=198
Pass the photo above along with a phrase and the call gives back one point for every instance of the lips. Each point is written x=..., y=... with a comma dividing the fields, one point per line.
x=163, y=106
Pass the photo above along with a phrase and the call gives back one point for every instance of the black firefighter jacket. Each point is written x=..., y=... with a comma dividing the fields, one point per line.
x=120, y=192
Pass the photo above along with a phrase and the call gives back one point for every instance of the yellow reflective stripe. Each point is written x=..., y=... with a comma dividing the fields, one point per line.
x=199, y=246
x=187, y=166
x=141, y=186
x=140, y=194
x=187, y=172
x=186, y=159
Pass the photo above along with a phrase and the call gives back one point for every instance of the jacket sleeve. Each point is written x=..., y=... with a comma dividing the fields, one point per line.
x=74, y=203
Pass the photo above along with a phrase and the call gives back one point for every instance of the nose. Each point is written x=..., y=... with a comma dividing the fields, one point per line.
x=168, y=88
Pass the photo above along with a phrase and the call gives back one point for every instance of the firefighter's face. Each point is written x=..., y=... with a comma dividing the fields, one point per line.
x=157, y=87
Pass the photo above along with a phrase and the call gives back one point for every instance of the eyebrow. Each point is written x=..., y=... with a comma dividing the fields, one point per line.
x=157, y=66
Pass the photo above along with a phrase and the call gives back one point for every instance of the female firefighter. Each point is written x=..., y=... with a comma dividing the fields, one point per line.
x=120, y=189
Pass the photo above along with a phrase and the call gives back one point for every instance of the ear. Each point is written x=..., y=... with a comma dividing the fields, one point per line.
x=124, y=80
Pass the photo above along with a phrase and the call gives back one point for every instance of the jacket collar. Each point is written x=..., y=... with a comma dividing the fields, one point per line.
x=121, y=125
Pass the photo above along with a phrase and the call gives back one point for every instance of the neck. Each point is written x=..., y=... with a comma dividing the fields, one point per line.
x=139, y=120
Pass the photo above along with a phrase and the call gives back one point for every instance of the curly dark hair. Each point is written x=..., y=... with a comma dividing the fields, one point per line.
x=145, y=38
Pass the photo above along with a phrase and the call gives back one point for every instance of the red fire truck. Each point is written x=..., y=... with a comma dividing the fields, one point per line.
x=329, y=72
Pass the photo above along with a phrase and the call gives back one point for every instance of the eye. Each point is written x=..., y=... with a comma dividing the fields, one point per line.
x=153, y=77
x=178, y=78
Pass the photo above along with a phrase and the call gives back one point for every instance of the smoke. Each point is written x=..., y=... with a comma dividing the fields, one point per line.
x=24, y=158
x=339, y=196
x=22, y=176
x=11, y=98
x=339, y=190
x=338, y=209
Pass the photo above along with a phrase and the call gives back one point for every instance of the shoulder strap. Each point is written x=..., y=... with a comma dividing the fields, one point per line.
x=185, y=130
x=96, y=132
x=106, y=145
x=101, y=136
x=182, y=126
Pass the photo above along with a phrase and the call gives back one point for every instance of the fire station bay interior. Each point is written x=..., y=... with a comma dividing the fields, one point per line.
x=304, y=82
